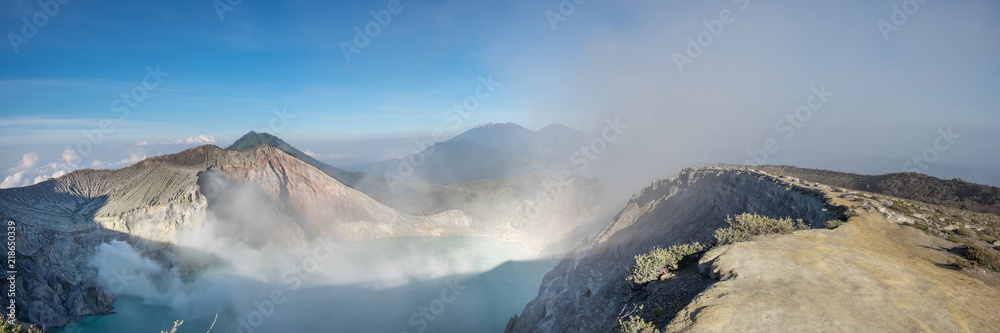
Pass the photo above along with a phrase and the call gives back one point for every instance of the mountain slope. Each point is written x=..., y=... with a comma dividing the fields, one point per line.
x=253, y=139
x=504, y=137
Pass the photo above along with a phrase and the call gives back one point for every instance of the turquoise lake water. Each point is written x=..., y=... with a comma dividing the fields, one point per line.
x=458, y=284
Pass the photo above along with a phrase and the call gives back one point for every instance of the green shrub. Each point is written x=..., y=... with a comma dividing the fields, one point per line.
x=850, y=213
x=658, y=311
x=176, y=324
x=900, y=207
x=965, y=232
x=983, y=257
x=744, y=226
x=953, y=239
x=635, y=324
x=6, y=327
x=833, y=224
x=650, y=266
x=992, y=231
x=919, y=226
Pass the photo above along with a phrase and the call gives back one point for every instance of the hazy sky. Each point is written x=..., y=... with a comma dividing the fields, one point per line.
x=227, y=70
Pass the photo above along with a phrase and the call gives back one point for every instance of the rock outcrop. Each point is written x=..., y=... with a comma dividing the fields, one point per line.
x=586, y=290
x=868, y=275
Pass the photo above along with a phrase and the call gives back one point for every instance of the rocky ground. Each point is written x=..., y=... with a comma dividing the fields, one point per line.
x=870, y=274
x=896, y=265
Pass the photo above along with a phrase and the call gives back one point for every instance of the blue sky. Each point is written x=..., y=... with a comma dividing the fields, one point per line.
x=228, y=76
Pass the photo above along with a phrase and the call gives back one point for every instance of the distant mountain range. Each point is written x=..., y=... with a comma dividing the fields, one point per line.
x=486, y=152
x=485, y=171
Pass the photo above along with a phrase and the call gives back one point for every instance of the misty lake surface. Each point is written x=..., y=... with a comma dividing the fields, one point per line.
x=493, y=280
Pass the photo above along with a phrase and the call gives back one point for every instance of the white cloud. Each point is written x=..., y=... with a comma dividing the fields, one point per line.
x=330, y=156
x=70, y=156
x=42, y=178
x=27, y=172
x=198, y=140
x=13, y=180
x=201, y=139
x=28, y=161
x=391, y=156
x=134, y=156
x=47, y=122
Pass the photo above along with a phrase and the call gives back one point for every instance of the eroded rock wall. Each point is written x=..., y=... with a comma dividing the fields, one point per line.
x=585, y=291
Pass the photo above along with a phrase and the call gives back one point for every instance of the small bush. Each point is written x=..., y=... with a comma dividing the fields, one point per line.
x=900, y=207
x=177, y=323
x=744, y=226
x=919, y=226
x=965, y=232
x=658, y=311
x=992, y=231
x=953, y=239
x=850, y=213
x=635, y=324
x=833, y=224
x=6, y=327
x=650, y=266
x=983, y=257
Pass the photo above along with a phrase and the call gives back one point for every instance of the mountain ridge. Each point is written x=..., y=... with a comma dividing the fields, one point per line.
x=486, y=152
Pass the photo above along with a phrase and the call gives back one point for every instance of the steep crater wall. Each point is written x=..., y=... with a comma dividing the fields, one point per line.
x=586, y=290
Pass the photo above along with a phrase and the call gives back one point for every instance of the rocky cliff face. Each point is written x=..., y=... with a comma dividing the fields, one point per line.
x=585, y=291
x=61, y=221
